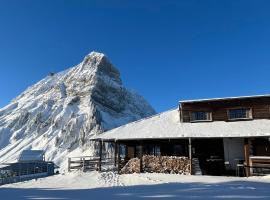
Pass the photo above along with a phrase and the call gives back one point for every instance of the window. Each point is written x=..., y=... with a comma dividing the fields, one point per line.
x=201, y=116
x=239, y=113
x=152, y=149
x=178, y=150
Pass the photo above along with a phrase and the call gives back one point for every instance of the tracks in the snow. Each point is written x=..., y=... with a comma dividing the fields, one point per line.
x=112, y=179
x=109, y=179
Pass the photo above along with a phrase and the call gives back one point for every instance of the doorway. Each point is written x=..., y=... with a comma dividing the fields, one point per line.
x=210, y=153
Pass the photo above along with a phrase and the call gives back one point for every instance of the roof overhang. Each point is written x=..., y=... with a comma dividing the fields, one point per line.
x=167, y=138
x=224, y=99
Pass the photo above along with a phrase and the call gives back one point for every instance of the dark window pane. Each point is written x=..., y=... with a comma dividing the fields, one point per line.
x=241, y=113
x=200, y=116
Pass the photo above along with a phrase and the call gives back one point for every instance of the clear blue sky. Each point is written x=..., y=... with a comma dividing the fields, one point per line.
x=165, y=50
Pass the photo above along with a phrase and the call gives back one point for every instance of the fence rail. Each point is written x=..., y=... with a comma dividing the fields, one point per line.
x=15, y=179
x=88, y=163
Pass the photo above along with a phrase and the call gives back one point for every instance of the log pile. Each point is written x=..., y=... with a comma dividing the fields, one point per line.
x=158, y=164
x=132, y=166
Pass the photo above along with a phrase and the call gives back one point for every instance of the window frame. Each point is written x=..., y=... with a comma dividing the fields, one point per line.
x=249, y=109
x=206, y=120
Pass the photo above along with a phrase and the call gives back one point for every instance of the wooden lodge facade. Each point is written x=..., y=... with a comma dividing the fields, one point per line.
x=224, y=136
x=253, y=151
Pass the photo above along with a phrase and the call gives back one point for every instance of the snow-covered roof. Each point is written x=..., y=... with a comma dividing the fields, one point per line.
x=224, y=98
x=31, y=155
x=167, y=125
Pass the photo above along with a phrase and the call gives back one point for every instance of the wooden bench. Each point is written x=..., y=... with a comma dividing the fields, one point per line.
x=259, y=165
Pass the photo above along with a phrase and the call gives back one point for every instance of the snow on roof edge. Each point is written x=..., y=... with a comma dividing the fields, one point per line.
x=180, y=137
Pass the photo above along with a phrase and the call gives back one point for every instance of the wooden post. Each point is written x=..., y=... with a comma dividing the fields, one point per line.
x=180, y=114
x=141, y=156
x=69, y=161
x=83, y=165
x=100, y=155
x=247, y=155
x=115, y=153
x=190, y=154
x=118, y=157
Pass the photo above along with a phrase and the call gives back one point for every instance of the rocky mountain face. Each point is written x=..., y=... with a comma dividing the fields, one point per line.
x=61, y=112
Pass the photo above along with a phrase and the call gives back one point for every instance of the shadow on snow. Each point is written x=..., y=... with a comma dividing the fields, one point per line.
x=173, y=191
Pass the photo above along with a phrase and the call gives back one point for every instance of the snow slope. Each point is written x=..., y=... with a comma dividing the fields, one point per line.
x=96, y=185
x=61, y=112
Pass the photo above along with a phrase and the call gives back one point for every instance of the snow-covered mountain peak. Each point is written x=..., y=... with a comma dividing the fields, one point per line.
x=95, y=54
x=98, y=64
x=61, y=112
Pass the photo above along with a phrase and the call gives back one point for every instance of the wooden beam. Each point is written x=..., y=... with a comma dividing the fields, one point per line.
x=69, y=160
x=190, y=154
x=83, y=159
x=181, y=114
x=247, y=155
x=115, y=153
x=100, y=155
x=141, y=156
x=118, y=157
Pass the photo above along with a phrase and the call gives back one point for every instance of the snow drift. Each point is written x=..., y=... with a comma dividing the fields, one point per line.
x=61, y=112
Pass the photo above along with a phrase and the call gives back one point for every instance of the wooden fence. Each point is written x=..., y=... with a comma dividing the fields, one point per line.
x=15, y=179
x=89, y=163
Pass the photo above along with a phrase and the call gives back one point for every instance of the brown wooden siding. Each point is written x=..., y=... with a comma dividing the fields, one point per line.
x=260, y=108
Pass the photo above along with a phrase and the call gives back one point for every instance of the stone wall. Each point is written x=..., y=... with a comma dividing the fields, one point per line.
x=158, y=164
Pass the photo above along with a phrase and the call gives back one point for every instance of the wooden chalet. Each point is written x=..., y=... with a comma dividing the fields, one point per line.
x=224, y=136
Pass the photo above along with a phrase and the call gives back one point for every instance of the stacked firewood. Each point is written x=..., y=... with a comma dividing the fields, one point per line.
x=132, y=166
x=158, y=164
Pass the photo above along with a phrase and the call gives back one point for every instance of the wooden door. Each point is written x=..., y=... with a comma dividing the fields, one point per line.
x=130, y=152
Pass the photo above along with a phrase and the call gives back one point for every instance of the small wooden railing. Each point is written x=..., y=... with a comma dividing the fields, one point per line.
x=259, y=165
x=89, y=163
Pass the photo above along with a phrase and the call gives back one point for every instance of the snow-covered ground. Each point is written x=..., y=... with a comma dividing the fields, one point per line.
x=94, y=185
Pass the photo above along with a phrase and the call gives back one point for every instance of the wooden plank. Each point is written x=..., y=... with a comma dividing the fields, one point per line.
x=115, y=154
x=260, y=108
x=100, y=155
x=141, y=156
x=118, y=158
x=190, y=154
x=69, y=159
x=247, y=155
x=86, y=163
